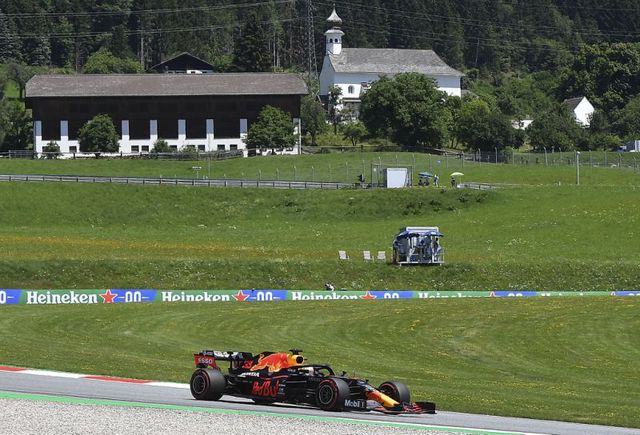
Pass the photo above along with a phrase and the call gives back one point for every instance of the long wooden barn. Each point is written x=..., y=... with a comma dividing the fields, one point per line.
x=209, y=111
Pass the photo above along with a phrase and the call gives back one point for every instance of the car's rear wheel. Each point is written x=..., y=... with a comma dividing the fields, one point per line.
x=331, y=394
x=396, y=390
x=207, y=384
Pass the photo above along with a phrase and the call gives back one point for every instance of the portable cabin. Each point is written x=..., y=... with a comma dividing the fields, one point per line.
x=418, y=245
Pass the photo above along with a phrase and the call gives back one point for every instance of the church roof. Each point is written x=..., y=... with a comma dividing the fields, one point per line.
x=162, y=85
x=390, y=61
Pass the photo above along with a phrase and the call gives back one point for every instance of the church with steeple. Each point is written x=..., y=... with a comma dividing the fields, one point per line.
x=354, y=69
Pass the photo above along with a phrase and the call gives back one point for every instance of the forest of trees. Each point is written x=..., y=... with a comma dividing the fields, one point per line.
x=491, y=36
x=521, y=57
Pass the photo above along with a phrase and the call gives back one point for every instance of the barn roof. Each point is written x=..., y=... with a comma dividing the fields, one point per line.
x=162, y=85
x=182, y=61
x=390, y=61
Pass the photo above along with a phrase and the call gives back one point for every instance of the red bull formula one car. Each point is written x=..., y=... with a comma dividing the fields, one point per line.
x=271, y=377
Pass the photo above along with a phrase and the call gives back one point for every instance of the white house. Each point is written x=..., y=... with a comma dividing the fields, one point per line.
x=581, y=109
x=354, y=69
x=632, y=146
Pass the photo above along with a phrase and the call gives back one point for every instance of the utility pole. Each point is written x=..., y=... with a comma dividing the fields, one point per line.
x=141, y=43
x=312, y=63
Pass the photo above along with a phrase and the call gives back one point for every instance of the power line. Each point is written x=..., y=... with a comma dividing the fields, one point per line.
x=128, y=12
x=470, y=22
x=149, y=31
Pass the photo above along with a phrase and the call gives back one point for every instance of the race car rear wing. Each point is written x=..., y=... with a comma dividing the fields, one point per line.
x=209, y=357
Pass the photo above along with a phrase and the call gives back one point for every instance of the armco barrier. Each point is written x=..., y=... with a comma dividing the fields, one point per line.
x=119, y=296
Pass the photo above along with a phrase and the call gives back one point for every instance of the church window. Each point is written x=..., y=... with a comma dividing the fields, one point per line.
x=350, y=90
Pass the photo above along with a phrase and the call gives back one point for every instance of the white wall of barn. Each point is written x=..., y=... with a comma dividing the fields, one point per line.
x=141, y=146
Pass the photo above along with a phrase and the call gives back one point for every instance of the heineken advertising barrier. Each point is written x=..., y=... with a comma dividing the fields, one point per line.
x=120, y=296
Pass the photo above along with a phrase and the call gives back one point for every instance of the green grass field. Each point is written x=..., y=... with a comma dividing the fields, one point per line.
x=569, y=359
x=560, y=359
x=346, y=167
x=95, y=236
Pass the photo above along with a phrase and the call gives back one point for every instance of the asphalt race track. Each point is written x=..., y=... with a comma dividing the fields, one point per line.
x=178, y=395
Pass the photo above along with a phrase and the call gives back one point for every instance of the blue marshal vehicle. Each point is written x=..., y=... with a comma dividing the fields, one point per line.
x=418, y=246
x=285, y=377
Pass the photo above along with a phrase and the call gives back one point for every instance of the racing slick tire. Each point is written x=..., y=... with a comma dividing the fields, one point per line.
x=207, y=384
x=331, y=394
x=396, y=390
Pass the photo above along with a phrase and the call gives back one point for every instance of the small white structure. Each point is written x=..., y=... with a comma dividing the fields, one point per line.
x=418, y=245
x=632, y=146
x=354, y=69
x=581, y=109
x=396, y=178
x=521, y=124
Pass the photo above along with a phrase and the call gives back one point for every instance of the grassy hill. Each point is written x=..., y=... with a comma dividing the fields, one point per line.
x=562, y=359
x=541, y=233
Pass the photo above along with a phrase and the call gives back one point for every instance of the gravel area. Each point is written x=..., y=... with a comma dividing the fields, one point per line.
x=41, y=417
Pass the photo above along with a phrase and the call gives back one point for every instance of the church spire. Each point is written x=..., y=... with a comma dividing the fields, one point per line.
x=334, y=19
x=333, y=36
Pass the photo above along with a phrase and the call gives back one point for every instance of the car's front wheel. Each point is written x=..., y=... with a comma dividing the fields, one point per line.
x=331, y=394
x=207, y=384
x=396, y=390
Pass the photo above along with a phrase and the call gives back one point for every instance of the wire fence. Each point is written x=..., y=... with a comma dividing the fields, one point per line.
x=360, y=169
x=187, y=156
x=606, y=159
x=270, y=184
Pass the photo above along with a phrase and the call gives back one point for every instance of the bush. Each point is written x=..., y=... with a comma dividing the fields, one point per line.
x=99, y=135
x=161, y=146
x=51, y=150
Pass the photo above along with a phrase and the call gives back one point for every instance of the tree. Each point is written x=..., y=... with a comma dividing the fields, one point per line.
x=103, y=62
x=37, y=51
x=251, y=53
x=272, y=130
x=556, y=129
x=609, y=74
x=335, y=92
x=9, y=42
x=409, y=108
x=313, y=117
x=15, y=126
x=51, y=150
x=627, y=124
x=161, y=146
x=62, y=46
x=20, y=74
x=355, y=131
x=99, y=135
x=480, y=127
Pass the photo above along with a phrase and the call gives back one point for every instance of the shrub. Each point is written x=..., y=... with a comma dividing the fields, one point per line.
x=51, y=150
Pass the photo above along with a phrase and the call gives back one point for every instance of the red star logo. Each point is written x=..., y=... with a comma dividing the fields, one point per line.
x=108, y=297
x=241, y=297
x=368, y=295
